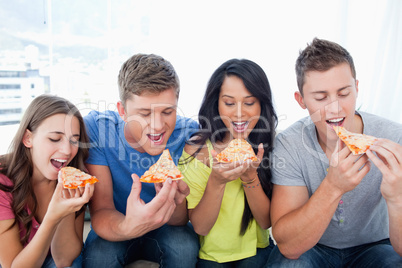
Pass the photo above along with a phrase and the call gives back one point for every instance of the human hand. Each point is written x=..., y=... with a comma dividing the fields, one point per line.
x=223, y=173
x=140, y=217
x=389, y=162
x=251, y=172
x=182, y=190
x=67, y=201
x=347, y=170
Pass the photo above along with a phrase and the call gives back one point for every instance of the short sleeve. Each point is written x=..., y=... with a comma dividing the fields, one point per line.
x=6, y=211
x=95, y=127
x=196, y=176
x=286, y=166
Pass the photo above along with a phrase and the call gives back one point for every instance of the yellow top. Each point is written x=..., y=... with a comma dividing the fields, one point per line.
x=224, y=242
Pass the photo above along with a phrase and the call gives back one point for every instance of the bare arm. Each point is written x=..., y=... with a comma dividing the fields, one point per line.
x=298, y=222
x=13, y=254
x=11, y=249
x=257, y=200
x=105, y=219
x=205, y=214
x=67, y=242
x=10, y=244
x=180, y=214
x=140, y=218
x=389, y=162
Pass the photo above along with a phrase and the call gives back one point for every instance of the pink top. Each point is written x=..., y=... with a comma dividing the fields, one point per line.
x=6, y=212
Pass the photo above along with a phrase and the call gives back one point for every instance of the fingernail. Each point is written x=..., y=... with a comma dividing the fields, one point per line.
x=169, y=180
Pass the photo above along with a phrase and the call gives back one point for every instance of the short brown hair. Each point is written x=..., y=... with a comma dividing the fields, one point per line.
x=321, y=55
x=146, y=73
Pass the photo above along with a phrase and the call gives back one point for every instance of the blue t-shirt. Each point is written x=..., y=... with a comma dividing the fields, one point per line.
x=108, y=147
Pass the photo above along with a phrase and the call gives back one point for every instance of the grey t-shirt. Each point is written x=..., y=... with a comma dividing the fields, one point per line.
x=361, y=216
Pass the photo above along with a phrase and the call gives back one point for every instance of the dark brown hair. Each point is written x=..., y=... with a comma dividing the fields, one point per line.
x=213, y=128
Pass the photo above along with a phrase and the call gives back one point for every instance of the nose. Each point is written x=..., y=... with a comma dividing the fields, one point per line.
x=333, y=107
x=157, y=122
x=239, y=110
x=65, y=146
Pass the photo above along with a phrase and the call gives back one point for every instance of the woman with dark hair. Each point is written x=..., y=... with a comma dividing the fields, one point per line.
x=229, y=203
x=41, y=223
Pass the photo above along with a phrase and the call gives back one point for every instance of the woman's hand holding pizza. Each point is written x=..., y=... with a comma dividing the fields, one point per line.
x=251, y=172
x=388, y=159
x=227, y=172
x=67, y=201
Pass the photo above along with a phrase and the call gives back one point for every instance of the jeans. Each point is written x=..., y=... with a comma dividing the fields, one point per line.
x=377, y=254
x=255, y=261
x=170, y=246
x=49, y=262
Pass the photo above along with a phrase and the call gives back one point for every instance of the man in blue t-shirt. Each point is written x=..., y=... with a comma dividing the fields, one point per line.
x=331, y=208
x=131, y=220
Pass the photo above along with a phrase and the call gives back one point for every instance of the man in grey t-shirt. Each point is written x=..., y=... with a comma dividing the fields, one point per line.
x=331, y=208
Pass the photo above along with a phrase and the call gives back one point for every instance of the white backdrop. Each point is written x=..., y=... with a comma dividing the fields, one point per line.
x=198, y=36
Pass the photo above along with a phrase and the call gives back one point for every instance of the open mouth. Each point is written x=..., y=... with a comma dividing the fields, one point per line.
x=58, y=163
x=240, y=126
x=156, y=138
x=335, y=122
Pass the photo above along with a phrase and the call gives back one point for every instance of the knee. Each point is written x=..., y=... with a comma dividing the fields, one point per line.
x=97, y=247
x=181, y=241
x=188, y=241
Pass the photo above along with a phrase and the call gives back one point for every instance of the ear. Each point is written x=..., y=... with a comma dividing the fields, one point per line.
x=27, y=139
x=122, y=111
x=299, y=99
x=357, y=87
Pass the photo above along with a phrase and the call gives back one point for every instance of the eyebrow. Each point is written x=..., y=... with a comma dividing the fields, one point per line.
x=62, y=133
x=148, y=109
x=324, y=91
x=228, y=96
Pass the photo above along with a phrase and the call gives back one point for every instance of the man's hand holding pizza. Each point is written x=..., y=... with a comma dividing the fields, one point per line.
x=346, y=170
x=388, y=159
x=182, y=191
x=389, y=162
x=180, y=216
x=142, y=217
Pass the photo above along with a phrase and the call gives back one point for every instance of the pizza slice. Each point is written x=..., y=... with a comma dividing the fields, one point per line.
x=237, y=150
x=357, y=143
x=73, y=178
x=164, y=168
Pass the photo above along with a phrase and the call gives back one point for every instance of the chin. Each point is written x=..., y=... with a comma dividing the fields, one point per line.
x=240, y=135
x=155, y=151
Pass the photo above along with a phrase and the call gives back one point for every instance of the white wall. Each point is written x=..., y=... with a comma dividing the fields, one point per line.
x=198, y=36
